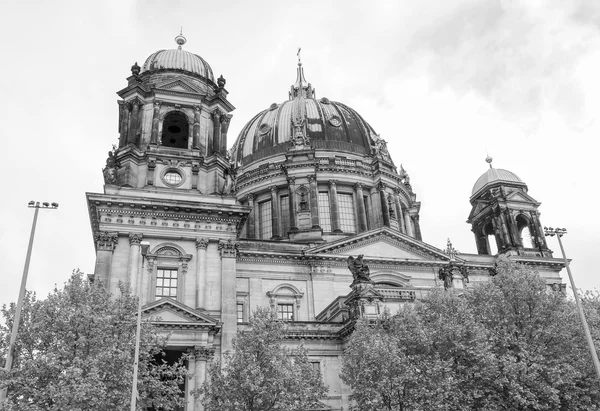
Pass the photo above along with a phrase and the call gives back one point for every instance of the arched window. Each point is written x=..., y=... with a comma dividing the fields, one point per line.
x=524, y=231
x=175, y=131
x=492, y=246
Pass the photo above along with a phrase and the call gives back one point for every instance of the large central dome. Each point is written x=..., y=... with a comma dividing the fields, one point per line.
x=325, y=124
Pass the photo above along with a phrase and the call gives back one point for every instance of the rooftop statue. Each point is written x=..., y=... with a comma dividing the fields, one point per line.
x=359, y=270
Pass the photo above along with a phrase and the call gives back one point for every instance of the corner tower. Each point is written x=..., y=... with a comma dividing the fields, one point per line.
x=166, y=183
x=504, y=217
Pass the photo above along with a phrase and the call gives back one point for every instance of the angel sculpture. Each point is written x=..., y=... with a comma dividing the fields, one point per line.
x=359, y=270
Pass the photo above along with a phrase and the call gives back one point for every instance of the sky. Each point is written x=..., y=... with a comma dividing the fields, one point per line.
x=443, y=82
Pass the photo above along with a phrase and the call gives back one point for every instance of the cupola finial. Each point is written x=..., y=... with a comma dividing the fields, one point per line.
x=301, y=88
x=489, y=159
x=180, y=40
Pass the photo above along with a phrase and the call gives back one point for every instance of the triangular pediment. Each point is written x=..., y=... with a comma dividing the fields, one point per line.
x=382, y=244
x=169, y=311
x=520, y=196
x=178, y=85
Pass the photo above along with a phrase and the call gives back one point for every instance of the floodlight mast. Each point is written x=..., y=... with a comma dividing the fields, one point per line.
x=19, y=308
x=559, y=232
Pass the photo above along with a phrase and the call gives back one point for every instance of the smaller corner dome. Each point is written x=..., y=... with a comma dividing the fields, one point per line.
x=178, y=59
x=495, y=175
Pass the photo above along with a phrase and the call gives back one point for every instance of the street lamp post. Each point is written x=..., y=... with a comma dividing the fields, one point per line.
x=17, y=319
x=144, y=251
x=559, y=232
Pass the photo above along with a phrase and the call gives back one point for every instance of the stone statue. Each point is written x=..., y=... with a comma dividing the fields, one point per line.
x=448, y=273
x=112, y=165
x=221, y=81
x=230, y=175
x=135, y=69
x=379, y=146
x=298, y=138
x=359, y=270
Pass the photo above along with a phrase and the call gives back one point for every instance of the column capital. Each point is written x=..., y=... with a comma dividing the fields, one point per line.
x=216, y=115
x=250, y=197
x=135, y=238
x=291, y=180
x=197, y=109
x=358, y=186
x=201, y=243
x=225, y=119
x=332, y=183
x=228, y=248
x=396, y=191
x=157, y=103
x=273, y=189
x=202, y=353
x=381, y=186
x=106, y=241
x=312, y=178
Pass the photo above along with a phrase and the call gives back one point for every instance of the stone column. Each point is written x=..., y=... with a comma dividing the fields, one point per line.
x=292, y=203
x=275, y=214
x=362, y=212
x=196, y=129
x=105, y=246
x=377, y=219
x=134, y=258
x=408, y=223
x=333, y=205
x=216, y=115
x=133, y=122
x=155, y=122
x=385, y=210
x=251, y=224
x=399, y=215
x=202, y=355
x=225, y=119
x=417, y=227
x=125, y=109
x=228, y=251
x=201, y=245
x=314, y=203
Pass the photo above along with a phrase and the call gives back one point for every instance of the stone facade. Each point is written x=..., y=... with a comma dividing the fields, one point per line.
x=273, y=221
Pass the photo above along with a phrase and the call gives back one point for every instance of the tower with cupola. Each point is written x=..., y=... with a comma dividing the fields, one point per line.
x=504, y=217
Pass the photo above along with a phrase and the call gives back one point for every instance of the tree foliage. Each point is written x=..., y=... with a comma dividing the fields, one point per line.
x=75, y=352
x=262, y=374
x=507, y=344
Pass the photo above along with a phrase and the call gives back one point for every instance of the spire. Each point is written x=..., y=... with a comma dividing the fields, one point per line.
x=180, y=40
x=301, y=88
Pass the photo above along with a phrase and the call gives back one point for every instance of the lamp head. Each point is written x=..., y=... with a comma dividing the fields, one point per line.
x=145, y=245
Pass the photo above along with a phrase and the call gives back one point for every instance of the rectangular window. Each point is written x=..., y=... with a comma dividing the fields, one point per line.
x=266, y=224
x=347, y=218
x=316, y=366
x=324, y=212
x=166, y=284
x=285, y=312
x=284, y=203
x=240, y=312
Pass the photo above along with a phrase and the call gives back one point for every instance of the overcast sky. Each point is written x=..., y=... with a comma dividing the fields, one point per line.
x=444, y=82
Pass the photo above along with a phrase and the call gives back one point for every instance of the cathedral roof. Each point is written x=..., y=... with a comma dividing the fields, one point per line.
x=493, y=176
x=178, y=59
x=324, y=123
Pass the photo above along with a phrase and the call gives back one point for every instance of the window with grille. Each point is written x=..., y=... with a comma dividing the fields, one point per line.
x=347, y=218
x=240, y=312
x=266, y=224
x=284, y=204
x=285, y=312
x=166, y=283
x=324, y=212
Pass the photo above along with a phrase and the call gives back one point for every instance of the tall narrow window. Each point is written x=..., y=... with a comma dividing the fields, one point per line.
x=166, y=284
x=266, y=224
x=347, y=217
x=524, y=232
x=324, y=212
x=240, y=312
x=284, y=204
x=285, y=312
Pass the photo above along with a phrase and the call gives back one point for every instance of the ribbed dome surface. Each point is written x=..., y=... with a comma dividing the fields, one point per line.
x=494, y=175
x=178, y=59
x=328, y=124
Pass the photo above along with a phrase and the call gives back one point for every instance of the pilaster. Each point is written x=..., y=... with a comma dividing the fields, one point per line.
x=201, y=246
x=228, y=250
x=134, y=257
x=360, y=203
x=314, y=205
x=333, y=205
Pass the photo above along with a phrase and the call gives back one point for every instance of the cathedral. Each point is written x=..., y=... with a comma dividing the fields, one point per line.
x=304, y=212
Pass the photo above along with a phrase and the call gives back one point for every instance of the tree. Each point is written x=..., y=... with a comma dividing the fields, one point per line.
x=75, y=352
x=507, y=344
x=262, y=374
